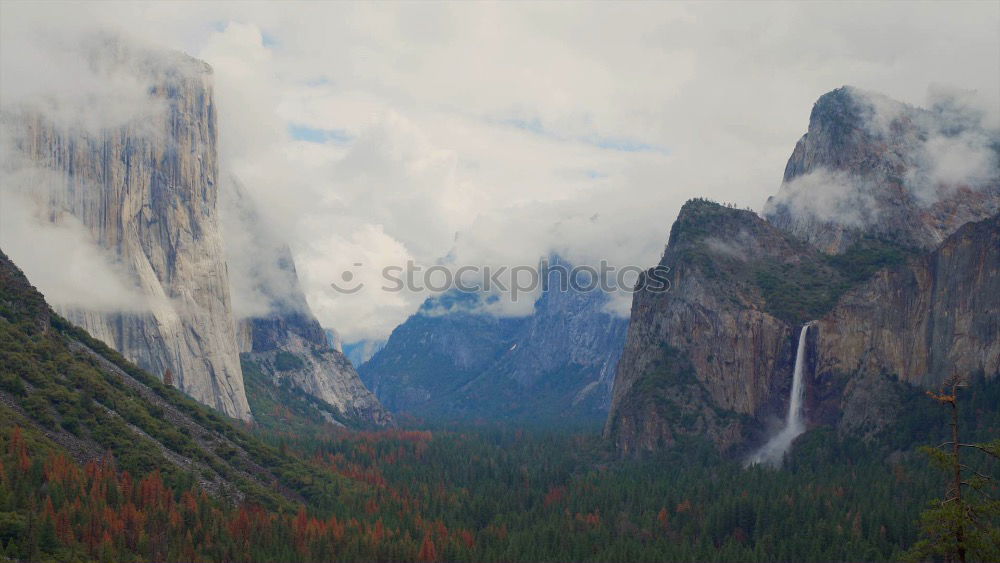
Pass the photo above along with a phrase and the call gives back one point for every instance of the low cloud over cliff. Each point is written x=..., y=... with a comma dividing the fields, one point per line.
x=484, y=134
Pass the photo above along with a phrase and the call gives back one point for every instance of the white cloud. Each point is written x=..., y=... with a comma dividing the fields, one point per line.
x=504, y=123
x=60, y=257
x=829, y=196
x=75, y=75
x=962, y=160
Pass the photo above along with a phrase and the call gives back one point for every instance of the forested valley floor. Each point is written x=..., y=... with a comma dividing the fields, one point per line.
x=484, y=493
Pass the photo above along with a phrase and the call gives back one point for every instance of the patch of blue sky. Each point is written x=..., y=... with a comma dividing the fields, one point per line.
x=314, y=135
x=620, y=144
x=317, y=82
x=625, y=144
x=533, y=125
x=266, y=38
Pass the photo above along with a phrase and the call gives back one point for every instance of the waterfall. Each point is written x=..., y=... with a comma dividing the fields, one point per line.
x=774, y=450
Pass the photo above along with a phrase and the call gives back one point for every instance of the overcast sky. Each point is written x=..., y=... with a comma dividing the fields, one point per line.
x=496, y=133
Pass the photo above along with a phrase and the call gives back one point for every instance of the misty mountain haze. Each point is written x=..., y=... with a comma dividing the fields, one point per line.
x=578, y=165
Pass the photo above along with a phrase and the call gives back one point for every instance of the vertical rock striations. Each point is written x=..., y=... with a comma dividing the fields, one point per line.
x=705, y=356
x=146, y=192
x=921, y=323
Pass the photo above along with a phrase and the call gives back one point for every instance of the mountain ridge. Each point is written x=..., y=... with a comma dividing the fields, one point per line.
x=452, y=361
x=712, y=356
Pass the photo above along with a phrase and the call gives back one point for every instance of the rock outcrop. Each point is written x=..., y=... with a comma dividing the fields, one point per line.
x=870, y=165
x=146, y=193
x=283, y=346
x=452, y=360
x=279, y=333
x=866, y=237
x=704, y=356
x=936, y=317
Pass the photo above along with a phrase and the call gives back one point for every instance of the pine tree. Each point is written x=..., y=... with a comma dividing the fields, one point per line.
x=960, y=527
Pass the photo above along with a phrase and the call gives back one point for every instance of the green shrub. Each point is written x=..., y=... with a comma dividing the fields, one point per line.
x=12, y=384
x=286, y=361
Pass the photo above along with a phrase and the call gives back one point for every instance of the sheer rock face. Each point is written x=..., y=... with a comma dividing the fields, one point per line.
x=707, y=358
x=146, y=191
x=869, y=165
x=704, y=356
x=282, y=336
x=936, y=317
x=450, y=360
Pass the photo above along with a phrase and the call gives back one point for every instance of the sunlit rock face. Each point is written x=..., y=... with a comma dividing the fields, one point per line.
x=146, y=192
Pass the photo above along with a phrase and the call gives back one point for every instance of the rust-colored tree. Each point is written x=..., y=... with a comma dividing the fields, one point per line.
x=428, y=552
x=168, y=378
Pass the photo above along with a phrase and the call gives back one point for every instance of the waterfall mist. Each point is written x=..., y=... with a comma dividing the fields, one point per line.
x=774, y=450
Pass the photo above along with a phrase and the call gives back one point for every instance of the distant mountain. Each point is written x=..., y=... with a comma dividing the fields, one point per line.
x=452, y=360
x=362, y=351
x=898, y=267
x=357, y=352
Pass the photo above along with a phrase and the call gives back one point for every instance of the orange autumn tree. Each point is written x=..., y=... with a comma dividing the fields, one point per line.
x=427, y=550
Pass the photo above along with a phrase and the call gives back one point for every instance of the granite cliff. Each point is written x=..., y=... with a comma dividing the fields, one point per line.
x=146, y=193
x=937, y=316
x=706, y=356
x=895, y=260
x=869, y=165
